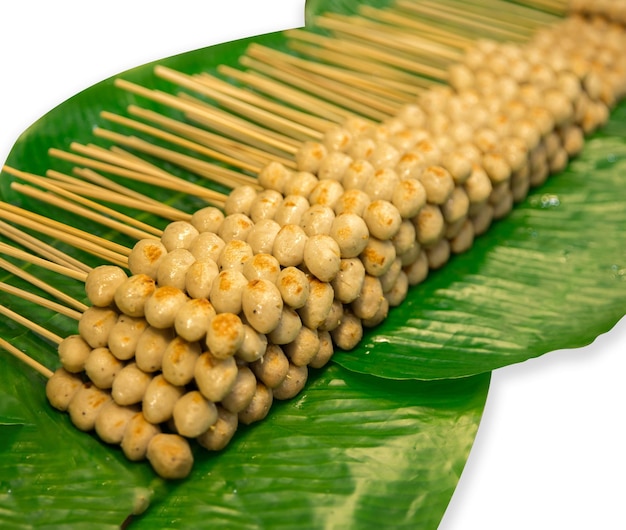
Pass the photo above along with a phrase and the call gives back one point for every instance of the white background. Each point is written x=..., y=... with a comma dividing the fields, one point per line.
x=550, y=452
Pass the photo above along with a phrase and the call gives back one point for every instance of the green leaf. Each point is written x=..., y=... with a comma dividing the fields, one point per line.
x=368, y=450
x=53, y=476
x=351, y=448
x=351, y=452
x=539, y=280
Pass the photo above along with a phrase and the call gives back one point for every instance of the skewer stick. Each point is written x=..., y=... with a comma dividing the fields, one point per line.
x=257, y=139
x=43, y=249
x=53, y=337
x=82, y=240
x=375, y=54
x=218, y=174
x=119, y=159
x=555, y=7
x=313, y=123
x=463, y=21
x=257, y=59
x=9, y=250
x=256, y=158
x=141, y=228
x=433, y=32
x=43, y=302
x=519, y=13
x=291, y=96
x=59, y=295
x=386, y=95
x=238, y=105
x=9, y=210
x=327, y=48
x=176, y=140
x=92, y=181
x=20, y=355
x=174, y=183
x=88, y=190
x=386, y=37
x=360, y=74
x=359, y=92
x=168, y=155
x=127, y=155
x=72, y=207
x=335, y=87
x=474, y=14
x=237, y=128
x=219, y=120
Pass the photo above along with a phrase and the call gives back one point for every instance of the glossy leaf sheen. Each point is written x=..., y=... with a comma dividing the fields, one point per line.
x=353, y=451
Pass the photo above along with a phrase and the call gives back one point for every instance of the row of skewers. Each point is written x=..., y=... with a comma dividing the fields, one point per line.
x=336, y=209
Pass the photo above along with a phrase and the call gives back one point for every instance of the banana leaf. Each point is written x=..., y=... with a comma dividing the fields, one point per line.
x=537, y=281
x=396, y=448
x=352, y=451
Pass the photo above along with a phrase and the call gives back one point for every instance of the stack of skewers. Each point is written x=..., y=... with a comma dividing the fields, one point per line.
x=351, y=209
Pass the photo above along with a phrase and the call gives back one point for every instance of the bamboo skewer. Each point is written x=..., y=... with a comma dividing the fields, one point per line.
x=119, y=158
x=33, y=220
x=21, y=356
x=520, y=13
x=163, y=180
x=59, y=295
x=53, y=337
x=140, y=229
x=255, y=158
x=385, y=38
x=40, y=262
x=43, y=302
x=43, y=249
x=397, y=19
x=87, y=179
x=161, y=210
x=202, y=112
x=314, y=125
x=294, y=78
x=555, y=7
x=94, y=184
x=281, y=66
x=173, y=183
x=94, y=245
x=312, y=104
x=476, y=25
x=236, y=127
x=375, y=53
x=16, y=271
x=360, y=74
x=475, y=15
x=121, y=227
x=229, y=100
x=221, y=175
x=159, y=133
x=356, y=62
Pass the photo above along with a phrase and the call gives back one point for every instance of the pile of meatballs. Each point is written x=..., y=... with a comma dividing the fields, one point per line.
x=225, y=313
